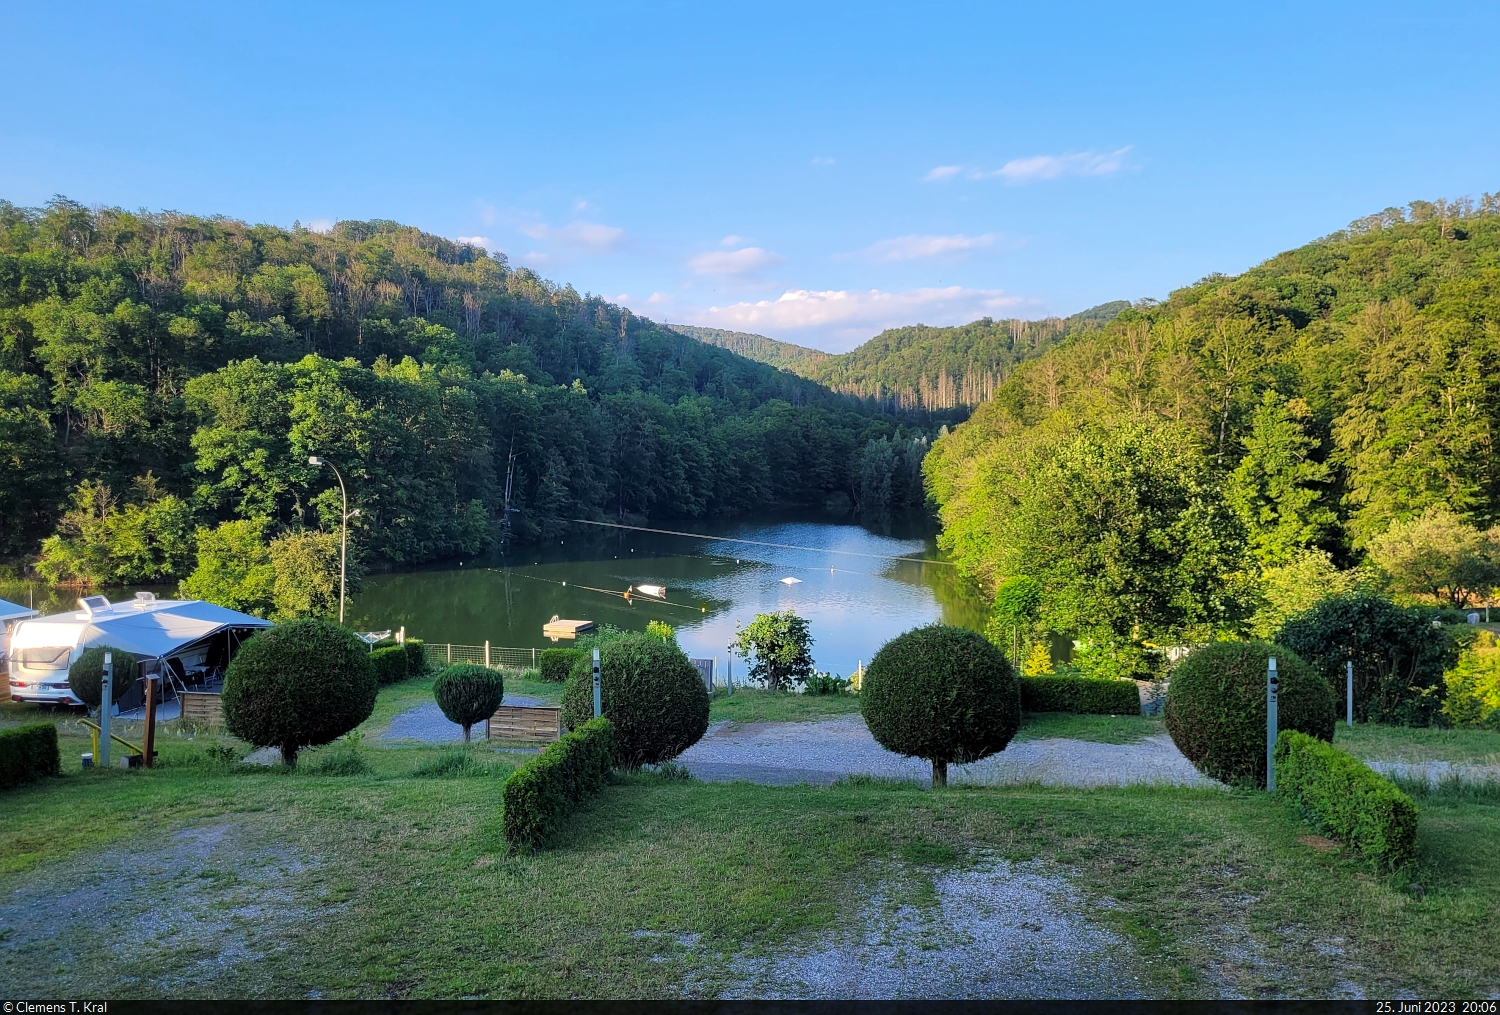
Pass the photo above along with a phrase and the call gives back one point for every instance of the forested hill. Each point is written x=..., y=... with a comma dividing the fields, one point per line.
x=919, y=367
x=782, y=355
x=1303, y=407
x=163, y=373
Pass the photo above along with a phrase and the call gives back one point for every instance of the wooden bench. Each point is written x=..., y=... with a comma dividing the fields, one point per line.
x=202, y=708
x=519, y=722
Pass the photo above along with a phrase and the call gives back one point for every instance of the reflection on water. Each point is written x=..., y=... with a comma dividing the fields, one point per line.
x=853, y=603
x=854, y=600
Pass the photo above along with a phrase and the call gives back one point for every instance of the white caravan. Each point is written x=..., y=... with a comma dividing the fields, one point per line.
x=187, y=642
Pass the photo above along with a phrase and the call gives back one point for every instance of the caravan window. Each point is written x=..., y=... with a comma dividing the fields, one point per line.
x=48, y=658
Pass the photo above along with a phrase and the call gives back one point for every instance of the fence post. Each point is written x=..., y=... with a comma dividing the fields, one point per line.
x=450, y=653
x=1273, y=684
x=486, y=654
x=533, y=658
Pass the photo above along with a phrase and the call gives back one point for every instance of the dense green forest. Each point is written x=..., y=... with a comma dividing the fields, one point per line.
x=162, y=375
x=918, y=367
x=1217, y=460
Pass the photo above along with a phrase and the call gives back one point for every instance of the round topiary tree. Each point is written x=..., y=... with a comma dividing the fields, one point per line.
x=468, y=693
x=298, y=685
x=941, y=693
x=86, y=675
x=1216, y=707
x=650, y=692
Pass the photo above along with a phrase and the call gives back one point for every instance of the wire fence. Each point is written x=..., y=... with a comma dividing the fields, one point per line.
x=496, y=657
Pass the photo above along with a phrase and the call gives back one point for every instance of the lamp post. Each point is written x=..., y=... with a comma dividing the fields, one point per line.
x=343, y=527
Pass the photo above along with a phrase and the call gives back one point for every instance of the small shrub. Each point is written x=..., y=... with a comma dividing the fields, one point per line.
x=390, y=664
x=86, y=675
x=1083, y=695
x=539, y=794
x=342, y=761
x=1346, y=799
x=1216, y=707
x=221, y=754
x=651, y=694
x=468, y=694
x=941, y=693
x=557, y=663
x=416, y=657
x=451, y=763
x=298, y=685
x=28, y=753
x=661, y=631
x=779, y=649
x=827, y=683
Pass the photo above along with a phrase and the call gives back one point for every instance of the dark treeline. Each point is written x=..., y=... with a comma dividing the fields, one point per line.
x=162, y=373
x=941, y=372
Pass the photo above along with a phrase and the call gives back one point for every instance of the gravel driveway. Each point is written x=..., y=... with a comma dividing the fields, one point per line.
x=784, y=753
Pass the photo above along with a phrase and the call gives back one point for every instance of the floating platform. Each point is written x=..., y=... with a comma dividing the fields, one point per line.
x=556, y=628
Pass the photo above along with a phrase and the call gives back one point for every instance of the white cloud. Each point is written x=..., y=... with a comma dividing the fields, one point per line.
x=842, y=318
x=535, y=258
x=1040, y=167
x=912, y=248
x=581, y=205
x=746, y=261
x=320, y=225
x=822, y=161
x=942, y=173
x=476, y=241
x=578, y=233
x=731, y=240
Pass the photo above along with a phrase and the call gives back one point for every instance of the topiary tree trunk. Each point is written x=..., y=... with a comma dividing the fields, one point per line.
x=466, y=731
x=289, y=755
x=939, y=773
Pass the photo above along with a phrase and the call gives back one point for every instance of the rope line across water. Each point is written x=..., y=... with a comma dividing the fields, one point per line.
x=757, y=542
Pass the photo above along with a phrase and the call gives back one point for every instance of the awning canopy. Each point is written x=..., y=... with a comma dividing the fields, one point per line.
x=154, y=629
x=13, y=611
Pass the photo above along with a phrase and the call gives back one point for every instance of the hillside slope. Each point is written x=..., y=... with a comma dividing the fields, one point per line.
x=162, y=372
x=1325, y=394
x=918, y=367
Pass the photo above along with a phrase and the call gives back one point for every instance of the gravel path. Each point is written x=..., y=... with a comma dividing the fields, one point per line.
x=783, y=753
x=427, y=722
x=1435, y=772
x=992, y=931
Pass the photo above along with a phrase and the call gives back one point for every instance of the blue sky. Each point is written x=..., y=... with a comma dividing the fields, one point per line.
x=810, y=172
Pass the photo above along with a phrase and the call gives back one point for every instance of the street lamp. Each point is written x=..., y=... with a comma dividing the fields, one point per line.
x=343, y=528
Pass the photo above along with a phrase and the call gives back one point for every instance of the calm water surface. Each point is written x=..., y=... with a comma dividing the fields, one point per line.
x=854, y=600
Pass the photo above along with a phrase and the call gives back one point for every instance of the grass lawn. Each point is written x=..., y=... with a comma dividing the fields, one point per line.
x=1398, y=743
x=752, y=704
x=258, y=882
x=1102, y=729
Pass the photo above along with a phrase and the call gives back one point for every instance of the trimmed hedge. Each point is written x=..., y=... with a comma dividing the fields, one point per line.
x=557, y=663
x=649, y=691
x=416, y=657
x=1084, y=695
x=1216, y=707
x=28, y=753
x=941, y=693
x=300, y=684
x=390, y=665
x=1344, y=797
x=86, y=675
x=539, y=794
x=468, y=694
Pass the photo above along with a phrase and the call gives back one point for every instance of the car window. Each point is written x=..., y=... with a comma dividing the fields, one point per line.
x=47, y=658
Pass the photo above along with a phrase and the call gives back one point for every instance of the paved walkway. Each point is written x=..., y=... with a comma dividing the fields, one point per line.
x=427, y=722
x=784, y=753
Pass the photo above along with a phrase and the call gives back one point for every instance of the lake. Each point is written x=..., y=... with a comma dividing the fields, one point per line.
x=857, y=589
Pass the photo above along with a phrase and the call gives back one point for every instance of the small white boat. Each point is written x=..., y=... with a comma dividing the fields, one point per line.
x=791, y=581
x=655, y=591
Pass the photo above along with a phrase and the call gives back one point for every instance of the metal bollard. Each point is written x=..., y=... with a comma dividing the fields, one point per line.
x=598, y=697
x=1273, y=686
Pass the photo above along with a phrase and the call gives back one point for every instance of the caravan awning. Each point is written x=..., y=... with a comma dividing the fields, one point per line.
x=164, y=629
x=14, y=611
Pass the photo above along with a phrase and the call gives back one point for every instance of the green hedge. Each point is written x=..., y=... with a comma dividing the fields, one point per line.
x=28, y=754
x=539, y=794
x=1345, y=798
x=1085, y=695
x=416, y=657
x=390, y=665
x=557, y=663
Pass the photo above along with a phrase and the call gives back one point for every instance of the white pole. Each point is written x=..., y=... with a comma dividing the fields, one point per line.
x=1349, y=692
x=486, y=654
x=1273, y=683
x=106, y=699
x=598, y=697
